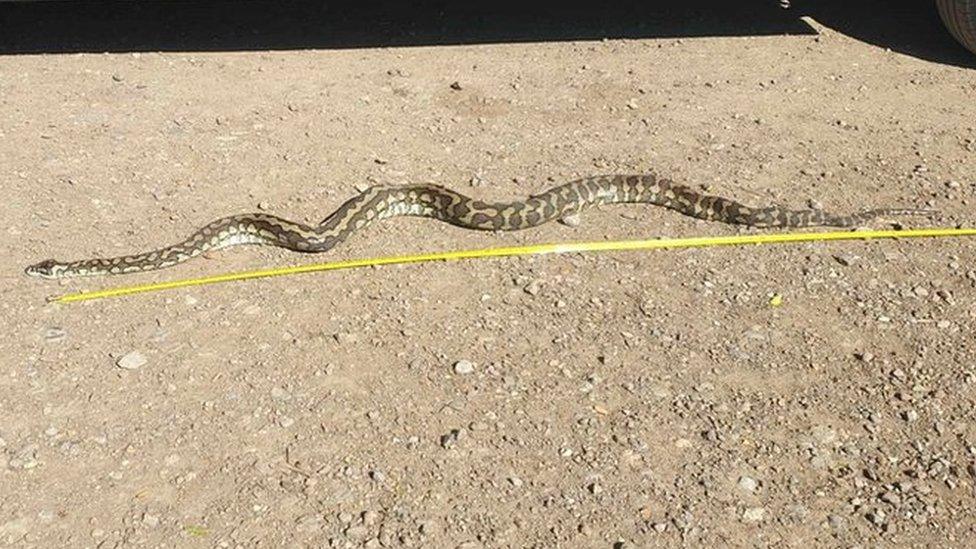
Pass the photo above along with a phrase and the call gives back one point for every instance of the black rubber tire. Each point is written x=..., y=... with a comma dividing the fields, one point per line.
x=959, y=17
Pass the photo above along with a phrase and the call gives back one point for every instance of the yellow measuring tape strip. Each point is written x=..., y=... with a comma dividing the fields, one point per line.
x=532, y=249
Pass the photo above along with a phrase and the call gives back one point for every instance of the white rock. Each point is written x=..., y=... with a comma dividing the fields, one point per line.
x=748, y=484
x=571, y=220
x=754, y=514
x=150, y=520
x=54, y=334
x=464, y=367
x=131, y=361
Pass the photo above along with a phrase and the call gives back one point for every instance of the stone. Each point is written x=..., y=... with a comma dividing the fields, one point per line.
x=54, y=335
x=748, y=484
x=464, y=367
x=450, y=439
x=754, y=514
x=571, y=220
x=877, y=517
x=131, y=361
x=150, y=520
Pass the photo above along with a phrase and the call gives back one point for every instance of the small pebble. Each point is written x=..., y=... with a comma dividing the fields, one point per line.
x=515, y=481
x=370, y=517
x=450, y=440
x=532, y=288
x=835, y=521
x=131, y=361
x=356, y=532
x=891, y=497
x=748, y=484
x=54, y=334
x=456, y=86
x=463, y=367
x=150, y=520
x=427, y=527
x=571, y=220
x=910, y=415
x=754, y=514
x=846, y=259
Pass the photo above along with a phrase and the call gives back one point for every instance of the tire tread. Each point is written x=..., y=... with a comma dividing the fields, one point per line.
x=959, y=17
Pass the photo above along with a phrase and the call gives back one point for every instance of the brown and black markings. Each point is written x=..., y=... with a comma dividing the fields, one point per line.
x=434, y=201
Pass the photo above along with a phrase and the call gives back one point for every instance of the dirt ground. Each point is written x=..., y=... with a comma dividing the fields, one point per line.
x=604, y=400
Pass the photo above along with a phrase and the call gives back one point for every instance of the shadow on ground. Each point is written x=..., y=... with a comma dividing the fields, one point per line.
x=908, y=26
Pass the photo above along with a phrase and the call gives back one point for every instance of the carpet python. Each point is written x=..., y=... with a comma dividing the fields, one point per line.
x=434, y=201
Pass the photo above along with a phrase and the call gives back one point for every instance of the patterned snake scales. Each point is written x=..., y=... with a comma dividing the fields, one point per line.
x=425, y=200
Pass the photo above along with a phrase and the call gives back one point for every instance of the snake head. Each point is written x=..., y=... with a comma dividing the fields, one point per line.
x=48, y=268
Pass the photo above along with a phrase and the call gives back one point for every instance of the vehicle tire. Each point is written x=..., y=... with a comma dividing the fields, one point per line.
x=960, y=17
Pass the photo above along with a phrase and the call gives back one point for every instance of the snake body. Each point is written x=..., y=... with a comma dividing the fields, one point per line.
x=426, y=200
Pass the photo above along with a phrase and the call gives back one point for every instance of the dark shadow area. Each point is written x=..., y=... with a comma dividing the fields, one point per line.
x=85, y=26
x=909, y=26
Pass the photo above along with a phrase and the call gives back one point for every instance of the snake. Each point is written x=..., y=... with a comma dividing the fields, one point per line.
x=562, y=202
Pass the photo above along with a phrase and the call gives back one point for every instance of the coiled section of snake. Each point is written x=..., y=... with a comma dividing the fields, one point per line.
x=452, y=207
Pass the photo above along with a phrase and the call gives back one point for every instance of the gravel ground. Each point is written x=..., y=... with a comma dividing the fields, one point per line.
x=611, y=400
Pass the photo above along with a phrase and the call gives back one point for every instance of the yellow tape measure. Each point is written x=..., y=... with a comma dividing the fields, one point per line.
x=533, y=249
